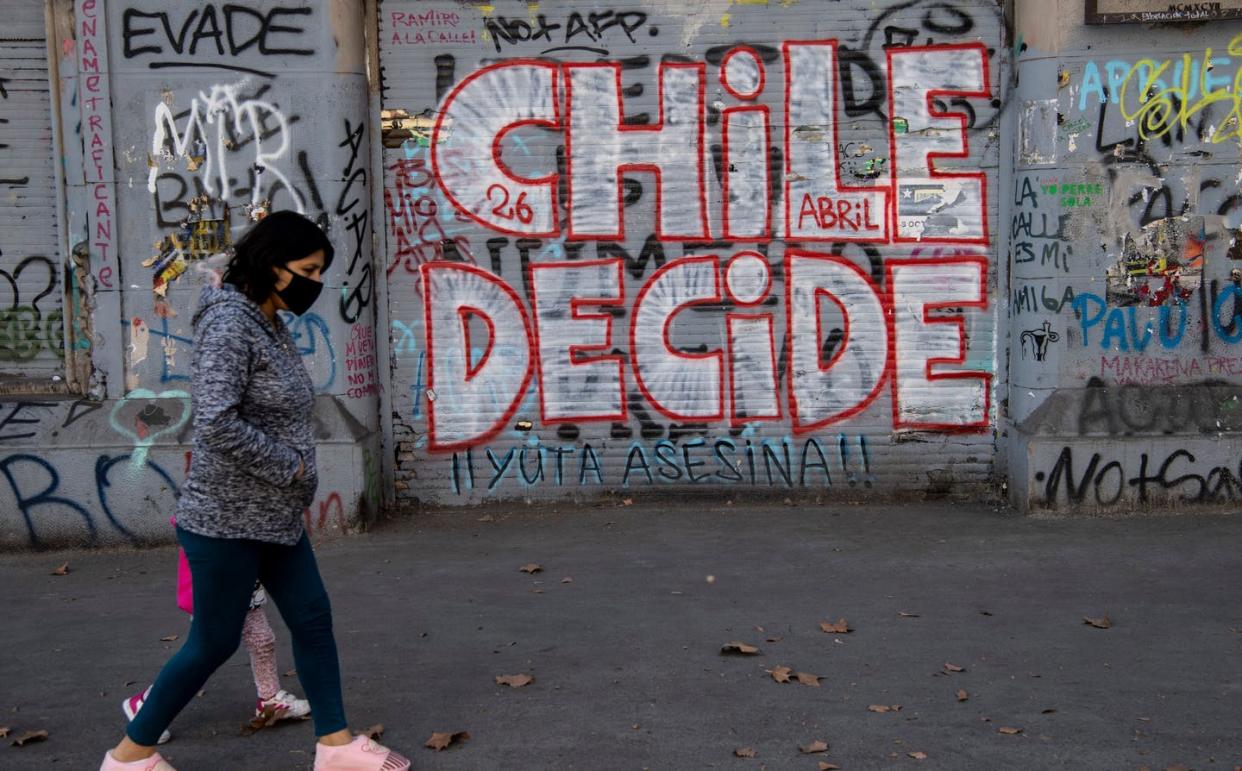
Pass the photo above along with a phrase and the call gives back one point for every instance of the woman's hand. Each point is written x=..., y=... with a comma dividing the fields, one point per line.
x=301, y=472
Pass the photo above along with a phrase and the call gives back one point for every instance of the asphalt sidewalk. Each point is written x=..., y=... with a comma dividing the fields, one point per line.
x=623, y=627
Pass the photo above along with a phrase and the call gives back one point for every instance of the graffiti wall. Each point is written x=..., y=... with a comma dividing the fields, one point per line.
x=813, y=250
x=742, y=245
x=183, y=124
x=1126, y=262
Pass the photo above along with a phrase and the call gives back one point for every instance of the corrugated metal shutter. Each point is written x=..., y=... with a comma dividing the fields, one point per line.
x=31, y=327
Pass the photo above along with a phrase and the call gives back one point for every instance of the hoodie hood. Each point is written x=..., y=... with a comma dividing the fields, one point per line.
x=227, y=298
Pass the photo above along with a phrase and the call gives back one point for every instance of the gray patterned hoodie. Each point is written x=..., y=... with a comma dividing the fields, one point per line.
x=252, y=401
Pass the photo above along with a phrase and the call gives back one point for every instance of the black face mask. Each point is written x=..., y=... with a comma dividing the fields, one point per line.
x=301, y=293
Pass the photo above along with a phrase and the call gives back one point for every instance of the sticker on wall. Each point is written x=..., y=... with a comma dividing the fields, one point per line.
x=941, y=208
x=1036, y=341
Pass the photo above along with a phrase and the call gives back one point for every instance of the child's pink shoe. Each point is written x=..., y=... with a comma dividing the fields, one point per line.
x=153, y=763
x=134, y=703
x=361, y=754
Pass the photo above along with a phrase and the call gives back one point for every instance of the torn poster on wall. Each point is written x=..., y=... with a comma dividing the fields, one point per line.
x=1164, y=264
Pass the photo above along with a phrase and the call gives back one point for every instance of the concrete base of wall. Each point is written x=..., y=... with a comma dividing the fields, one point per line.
x=79, y=473
x=1124, y=475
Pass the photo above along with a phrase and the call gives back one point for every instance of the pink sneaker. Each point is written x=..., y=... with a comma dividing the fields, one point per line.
x=153, y=763
x=134, y=703
x=361, y=754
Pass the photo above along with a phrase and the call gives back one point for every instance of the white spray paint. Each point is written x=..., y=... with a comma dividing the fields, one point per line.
x=825, y=293
x=206, y=140
x=927, y=197
x=577, y=381
x=479, y=110
x=600, y=146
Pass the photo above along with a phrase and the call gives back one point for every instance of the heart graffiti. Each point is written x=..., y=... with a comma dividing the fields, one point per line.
x=150, y=423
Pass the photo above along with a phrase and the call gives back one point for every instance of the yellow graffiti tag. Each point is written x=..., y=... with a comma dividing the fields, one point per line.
x=1161, y=106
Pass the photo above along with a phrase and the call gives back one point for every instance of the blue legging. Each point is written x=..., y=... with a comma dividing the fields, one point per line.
x=224, y=571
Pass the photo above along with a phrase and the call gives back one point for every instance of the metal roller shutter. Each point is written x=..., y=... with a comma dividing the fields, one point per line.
x=31, y=326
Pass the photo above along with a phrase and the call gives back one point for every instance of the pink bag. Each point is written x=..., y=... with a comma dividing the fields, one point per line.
x=185, y=586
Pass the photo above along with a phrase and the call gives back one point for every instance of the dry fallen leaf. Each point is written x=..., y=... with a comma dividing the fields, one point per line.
x=828, y=767
x=780, y=674
x=441, y=741
x=881, y=708
x=531, y=567
x=744, y=752
x=953, y=667
x=265, y=719
x=627, y=501
x=514, y=681
x=375, y=732
x=1103, y=622
x=567, y=580
x=838, y=627
x=962, y=695
x=806, y=678
x=30, y=737
x=918, y=755
x=63, y=570
x=738, y=649
x=1009, y=730
x=903, y=614
x=816, y=746
x=1048, y=711
x=487, y=518
x=169, y=638
x=4, y=731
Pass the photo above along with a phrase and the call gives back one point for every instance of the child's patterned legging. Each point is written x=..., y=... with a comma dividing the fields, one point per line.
x=260, y=642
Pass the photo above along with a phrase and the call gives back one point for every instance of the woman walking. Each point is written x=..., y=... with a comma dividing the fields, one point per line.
x=239, y=517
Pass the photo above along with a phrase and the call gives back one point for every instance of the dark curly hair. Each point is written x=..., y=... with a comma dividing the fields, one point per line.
x=279, y=238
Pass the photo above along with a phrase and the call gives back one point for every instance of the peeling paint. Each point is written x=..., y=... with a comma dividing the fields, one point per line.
x=1037, y=132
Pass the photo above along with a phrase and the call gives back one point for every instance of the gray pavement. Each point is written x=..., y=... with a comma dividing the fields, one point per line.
x=626, y=658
